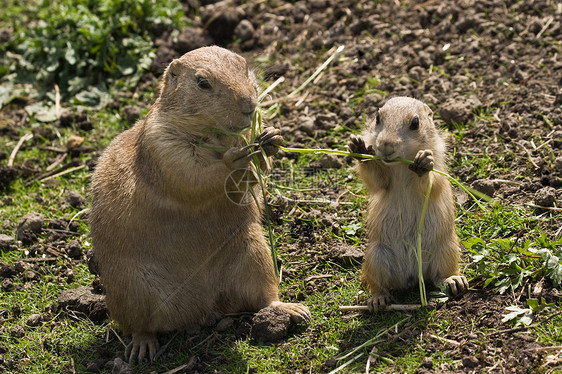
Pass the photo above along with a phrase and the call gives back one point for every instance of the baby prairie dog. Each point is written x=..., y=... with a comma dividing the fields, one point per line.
x=404, y=128
x=171, y=245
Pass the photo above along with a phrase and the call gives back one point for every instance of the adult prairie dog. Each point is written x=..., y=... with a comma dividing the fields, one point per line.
x=404, y=128
x=171, y=245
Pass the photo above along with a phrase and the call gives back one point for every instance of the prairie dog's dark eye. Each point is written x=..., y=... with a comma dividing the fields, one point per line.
x=378, y=118
x=203, y=84
x=415, y=123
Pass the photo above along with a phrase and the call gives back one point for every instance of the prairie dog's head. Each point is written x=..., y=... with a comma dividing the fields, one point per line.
x=401, y=128
x=209, y=87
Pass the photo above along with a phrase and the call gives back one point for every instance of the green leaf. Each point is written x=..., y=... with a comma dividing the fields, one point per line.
x=70, y=54
x=352, y=228
x=6, y=93
x=515, y=312
x=42, y=111
x=533, y=303
x=94, y=97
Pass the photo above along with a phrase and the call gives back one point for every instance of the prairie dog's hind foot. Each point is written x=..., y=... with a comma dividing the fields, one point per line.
x=457, y=284
x=140, y=345
x=378, y=301
x=299, y=313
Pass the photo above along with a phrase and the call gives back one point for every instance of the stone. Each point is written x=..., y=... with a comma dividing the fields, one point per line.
x=132, y=113
x=558, y=165
x=270, y=325
x=75, y=200
x=191, y=38
x=485, y=186
x=470, y=362
x=74, y=249
x=34, y=320
x=84, y=300
x=32, y=221
x=224, y=324
x=306, y=125
x=546, y=197
x=73, y=142
x=459, y=109
x=17, y=332
x=6, y=242
x=7, y=285
x=347, y=254
x=330, y=162
x=245, y=30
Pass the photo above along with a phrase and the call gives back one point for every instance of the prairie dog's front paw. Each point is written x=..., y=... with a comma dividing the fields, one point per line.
x=270, y=140
x=357, y=145
x=423, y=162
x=238, y=158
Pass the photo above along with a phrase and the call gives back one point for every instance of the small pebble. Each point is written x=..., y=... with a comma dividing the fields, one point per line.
x=244, y=31
x=6, y=241
x=75, y=200
x=470, y=362
x=34, y=320
x=17, y=332
x=558, y=164
x=546, y=197
x=485, y=186
x=224, y=324
x=132, y=113
x=7, y=285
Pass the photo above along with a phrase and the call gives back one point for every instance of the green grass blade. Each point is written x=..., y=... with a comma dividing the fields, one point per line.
x=423, y=296
x=317, y=72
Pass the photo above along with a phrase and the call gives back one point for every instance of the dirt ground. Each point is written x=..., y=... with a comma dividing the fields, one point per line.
x=494, y=66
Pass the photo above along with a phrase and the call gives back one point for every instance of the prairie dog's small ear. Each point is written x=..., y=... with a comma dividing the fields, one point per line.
x=378, y=116
x=374, y=119
x=428, y=111
x=171, y=75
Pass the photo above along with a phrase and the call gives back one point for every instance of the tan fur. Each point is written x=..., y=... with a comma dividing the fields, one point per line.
x=396, y=196
x=172, y=248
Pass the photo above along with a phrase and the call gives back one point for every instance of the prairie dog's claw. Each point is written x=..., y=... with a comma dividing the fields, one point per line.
x=140, y=345
x=423, y=162
x=238, y=158
x=270, y=140
x=457, y=284
x=357, y=145
x=378, y=301
x=299, y=313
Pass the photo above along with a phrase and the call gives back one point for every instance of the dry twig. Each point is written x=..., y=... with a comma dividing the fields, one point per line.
x=544, y=349
x=398, y=307
x=68, y=171
x=449, y=341
x=22, y=140
x=163, y=349
x=190, y=364
x=321, y=276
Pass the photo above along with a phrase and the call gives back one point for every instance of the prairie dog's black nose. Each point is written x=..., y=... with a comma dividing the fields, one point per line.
x=247, y=105
x=387, y=148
